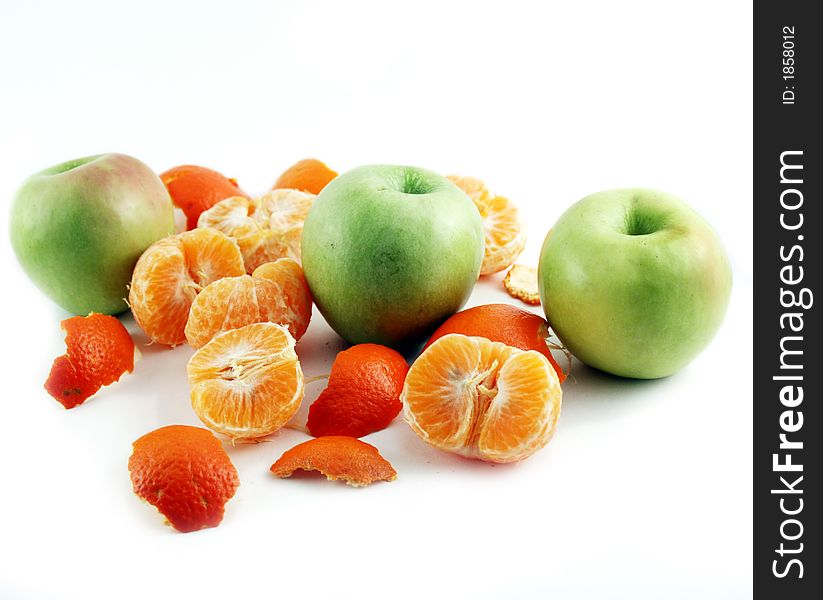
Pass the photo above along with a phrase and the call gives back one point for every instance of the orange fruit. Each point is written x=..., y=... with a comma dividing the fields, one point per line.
x=170, y=274
x=307, y=175
x=482, y=399
x=505, y=238
x=184, y=472
x=521, y=283
x=502, y=323
x=246, y=383
x=266, y=228
x=363, y=395
x=275, y=292
x=98, y=351
x=337, y=457
x=194, y=189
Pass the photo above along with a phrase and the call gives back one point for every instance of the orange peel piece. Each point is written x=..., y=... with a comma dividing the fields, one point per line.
x=521, y=283
x=99, y=350
x=185, y=473
x=308, y=175
x=338, y=457
x=194, y=189
x=363, y=395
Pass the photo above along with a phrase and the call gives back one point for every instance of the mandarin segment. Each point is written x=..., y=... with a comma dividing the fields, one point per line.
x=194, y=189
x=482, y=399
x=266, y=245
x=505, y=238
x=284, y=295
x=276, y=292
x=185, y=473
x=246, y=383
x=307, y=175
x=210, y=256
x=231, y=216
x=170, y=274
x=503, y=323
x=338, y=458
x=266, y=228
x=283, y=210
x=516, y=430
x=99, y=350
x=434, y=406
x=363, y=395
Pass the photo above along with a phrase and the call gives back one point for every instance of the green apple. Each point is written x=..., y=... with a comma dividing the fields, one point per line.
x=390, y=252
x=79, y=227
x=634, y=282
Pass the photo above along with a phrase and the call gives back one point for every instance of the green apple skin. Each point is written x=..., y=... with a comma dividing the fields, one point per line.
x=634, y=282
x=390, y=252
x=79, y=227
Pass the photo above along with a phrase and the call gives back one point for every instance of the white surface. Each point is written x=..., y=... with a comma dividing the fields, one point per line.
x=645, y=491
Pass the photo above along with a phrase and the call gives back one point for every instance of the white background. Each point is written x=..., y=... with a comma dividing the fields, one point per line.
x=645, y=492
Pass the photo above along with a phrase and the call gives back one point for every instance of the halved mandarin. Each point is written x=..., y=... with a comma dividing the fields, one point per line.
x=482, y=399
x=505, y=238
x=266, y=228
x=170, y=274
x=276, y=292
x=246, y=383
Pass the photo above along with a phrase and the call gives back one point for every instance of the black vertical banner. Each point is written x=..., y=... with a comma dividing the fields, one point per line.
x=788, y=362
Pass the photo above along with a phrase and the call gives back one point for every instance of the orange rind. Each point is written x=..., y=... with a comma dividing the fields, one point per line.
x=307, y=175
x=194, y=189
x=363, y=394
x=185, y=473
x=506, y=324
x=99, y=350
x=338, y=458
